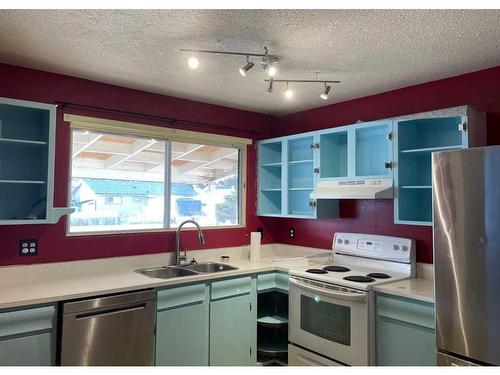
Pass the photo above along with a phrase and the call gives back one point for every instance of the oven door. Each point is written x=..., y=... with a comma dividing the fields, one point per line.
x=329, y=320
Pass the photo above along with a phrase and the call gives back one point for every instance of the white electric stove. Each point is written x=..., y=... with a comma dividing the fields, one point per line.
x=332, y=303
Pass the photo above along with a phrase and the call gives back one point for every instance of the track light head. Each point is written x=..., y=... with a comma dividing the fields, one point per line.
x=270, y=87
x=193, y=62
x=271, y=71
x=324, y=95
x=249, y=65
x=288, y=92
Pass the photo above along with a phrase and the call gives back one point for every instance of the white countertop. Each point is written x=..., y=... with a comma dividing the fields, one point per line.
x=51, y=282
x=420, y=288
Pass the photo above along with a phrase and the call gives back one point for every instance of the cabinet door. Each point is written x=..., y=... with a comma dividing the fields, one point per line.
x=373, y=150
x=233, y=331
x=182, y=326
x=33, y=350
x=301, y=176
x=182, y=336
x=270, y=178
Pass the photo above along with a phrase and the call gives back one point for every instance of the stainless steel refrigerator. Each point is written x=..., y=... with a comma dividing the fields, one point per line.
x=466, y=209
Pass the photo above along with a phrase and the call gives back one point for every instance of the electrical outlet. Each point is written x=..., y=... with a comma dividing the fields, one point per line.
x=28, y=248
x=261, y=230
x=291, y=233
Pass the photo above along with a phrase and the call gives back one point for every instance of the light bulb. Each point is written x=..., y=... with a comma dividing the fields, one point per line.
x=193, y=62
x=271, y=71
x=324, y=95
x=288, y=93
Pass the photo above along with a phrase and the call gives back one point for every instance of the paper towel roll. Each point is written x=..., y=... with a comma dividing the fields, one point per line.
x=254, y=246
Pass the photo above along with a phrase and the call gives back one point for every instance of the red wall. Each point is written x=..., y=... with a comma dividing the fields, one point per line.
x=27, y=84
x=480, y=90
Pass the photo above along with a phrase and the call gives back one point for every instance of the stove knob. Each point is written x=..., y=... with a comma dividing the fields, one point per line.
x=339, y=240
x=346, y=242
x=404, y=248
x=395, y=247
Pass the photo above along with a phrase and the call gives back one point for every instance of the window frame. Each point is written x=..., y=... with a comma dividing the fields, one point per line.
x=167, y=135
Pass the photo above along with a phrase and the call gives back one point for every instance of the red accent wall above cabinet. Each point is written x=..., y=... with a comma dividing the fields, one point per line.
x=479, y=89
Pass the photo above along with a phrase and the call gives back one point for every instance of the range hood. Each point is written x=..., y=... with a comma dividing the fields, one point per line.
x=354, y=189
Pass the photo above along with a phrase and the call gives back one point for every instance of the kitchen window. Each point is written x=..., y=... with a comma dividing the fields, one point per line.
x=123, y=182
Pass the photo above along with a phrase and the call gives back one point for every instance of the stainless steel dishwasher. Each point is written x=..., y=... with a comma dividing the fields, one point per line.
x=113, y=330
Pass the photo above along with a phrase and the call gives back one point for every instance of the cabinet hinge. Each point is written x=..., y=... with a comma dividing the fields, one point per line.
x=389, y=136
x=389, y=165
x=154, y=329
x=315, y=145
x=462, y=127
x=312, y=204
x=316, y=170
x=250, y=306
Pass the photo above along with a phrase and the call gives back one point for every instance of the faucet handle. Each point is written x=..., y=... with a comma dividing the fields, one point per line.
x=182, y=255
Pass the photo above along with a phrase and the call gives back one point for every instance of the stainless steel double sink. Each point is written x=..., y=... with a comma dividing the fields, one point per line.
x=169, y=272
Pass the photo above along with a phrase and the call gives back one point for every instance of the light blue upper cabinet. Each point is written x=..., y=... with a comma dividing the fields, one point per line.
x=418, y=136
x=27, y=148
x=334, y=154
x=301, y=175
x=287, y=175
x=373, y=149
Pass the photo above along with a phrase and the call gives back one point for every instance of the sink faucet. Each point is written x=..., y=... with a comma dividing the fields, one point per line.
x=178, y=257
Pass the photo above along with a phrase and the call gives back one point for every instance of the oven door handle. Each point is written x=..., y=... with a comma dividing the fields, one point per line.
x=350, y=296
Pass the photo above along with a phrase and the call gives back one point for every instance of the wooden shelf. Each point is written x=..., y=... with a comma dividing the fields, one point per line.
x=21, y=182
x=22, y=141
x=272, y=321
x=430, y=149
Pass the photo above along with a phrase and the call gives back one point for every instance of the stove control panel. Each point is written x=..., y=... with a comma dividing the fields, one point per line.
x=374, y=246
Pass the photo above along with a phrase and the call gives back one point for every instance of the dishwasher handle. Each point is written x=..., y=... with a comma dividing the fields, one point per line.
x=106, y=312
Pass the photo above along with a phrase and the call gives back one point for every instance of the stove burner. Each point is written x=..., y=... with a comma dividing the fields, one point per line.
x=378, y=275
x=316, y=270
x=336, y=269
x=359, y=279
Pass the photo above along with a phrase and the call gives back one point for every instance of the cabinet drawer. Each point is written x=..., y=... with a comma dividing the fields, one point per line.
x=34, y=350
x=402, y=309
x=29, y=320
x=179, y=296
x=231, y=287
x=274, y=280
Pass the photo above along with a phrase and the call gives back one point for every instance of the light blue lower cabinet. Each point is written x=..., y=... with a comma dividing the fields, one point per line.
x=182, y=325
x=27, y=337
x=233, y=324
x=405, y=332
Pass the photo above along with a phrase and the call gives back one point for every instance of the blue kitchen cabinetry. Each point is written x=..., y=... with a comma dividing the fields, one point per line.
x=288, y=172
x=27, y=149
x=233, y=317
x=418, y=136
x=362, y=150
x=27, y=336
x=405, y=332
x=182, y=326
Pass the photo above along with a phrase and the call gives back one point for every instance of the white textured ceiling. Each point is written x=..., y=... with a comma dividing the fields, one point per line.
x=370, y=51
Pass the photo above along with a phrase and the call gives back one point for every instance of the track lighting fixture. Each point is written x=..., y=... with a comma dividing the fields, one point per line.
x=193, y=62
x=324, y=95
x=270, y=86
x=249, y=65
x=271, y=71
x=288, y=92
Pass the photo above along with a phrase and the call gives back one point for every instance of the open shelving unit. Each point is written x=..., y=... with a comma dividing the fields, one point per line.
x=272, y=328
x=300, y=175
x=270, y=160
x=27, y=135
x=417, y=140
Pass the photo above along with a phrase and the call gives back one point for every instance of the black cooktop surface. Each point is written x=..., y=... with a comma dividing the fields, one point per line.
x=378, y=275
x=360, y=279
x=336, y=269
x=316, y=270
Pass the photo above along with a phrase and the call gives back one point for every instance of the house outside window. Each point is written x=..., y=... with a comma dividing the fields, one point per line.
x=121, y=182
